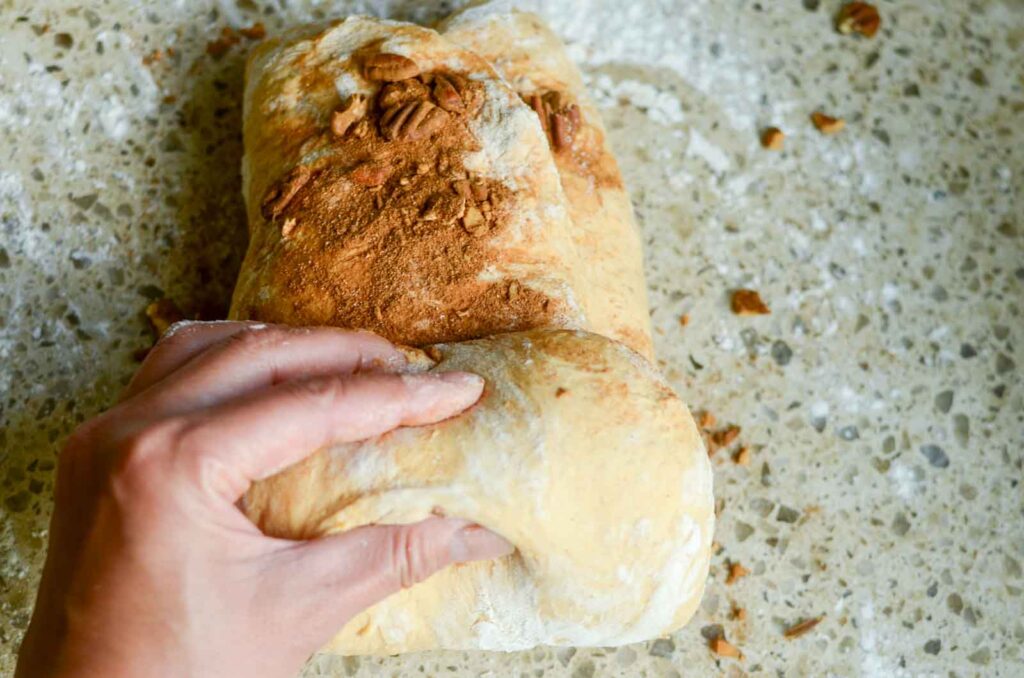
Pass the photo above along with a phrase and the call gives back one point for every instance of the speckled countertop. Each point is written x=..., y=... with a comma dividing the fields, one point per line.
x=882, y=400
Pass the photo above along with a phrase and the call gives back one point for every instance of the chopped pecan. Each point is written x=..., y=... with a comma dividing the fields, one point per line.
x=559, y=117
x=463, y=188
x=255, y=32
x=412, y=121
x=371, y=173
x=444, y=207
x=349, y=114
x=480, y=192
x=826, y=124
x=163, y=313
x=858, y=17
x=446, y=92
x=772, y=138
x=390, y=67
x=561, y=130
x=288, y=227
x=736, y=572
x=281, y=193
x=724, y=648
x=800, y=628
x=513, y=290
x=398, y=93
x=475, y=224
x=748, y=302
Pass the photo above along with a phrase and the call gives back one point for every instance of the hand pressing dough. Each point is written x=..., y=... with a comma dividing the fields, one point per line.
x=461, y=223
x=578, y=453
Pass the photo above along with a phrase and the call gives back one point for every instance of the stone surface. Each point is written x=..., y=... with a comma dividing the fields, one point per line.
x=891, y=255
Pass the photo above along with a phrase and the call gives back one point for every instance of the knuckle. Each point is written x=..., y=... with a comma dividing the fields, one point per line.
x=140, y=462
x=407, y=558
x=320, y=392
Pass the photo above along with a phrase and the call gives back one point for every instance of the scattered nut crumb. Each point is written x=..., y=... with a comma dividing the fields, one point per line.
x=560, y=391
x=748, y=302
x=724, y=648
x=255, y=32
x=684, y=319
x=287, y=227
x=742, y=457
x=772, y=138
x=716, y=547
x=858, y=17
x=737, y=613
x=826, y=124
x=726, y=436
x=163, y=313
x=736, y=572
x=800, y=628
x=706, y=420
x=219, y=47
x=153, y=57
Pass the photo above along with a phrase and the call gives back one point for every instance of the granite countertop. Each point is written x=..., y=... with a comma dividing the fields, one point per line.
x=881, y=402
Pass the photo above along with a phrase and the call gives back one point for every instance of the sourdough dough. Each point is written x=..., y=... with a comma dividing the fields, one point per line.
x=578, y=453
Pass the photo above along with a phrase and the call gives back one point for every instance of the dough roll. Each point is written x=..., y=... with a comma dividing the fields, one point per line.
x=395, y=181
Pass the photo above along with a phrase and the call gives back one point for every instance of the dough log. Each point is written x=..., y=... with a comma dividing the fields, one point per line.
x=453, y=192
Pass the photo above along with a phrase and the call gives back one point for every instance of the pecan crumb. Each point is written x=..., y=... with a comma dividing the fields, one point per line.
x=737, y=613
x=560, y=391
x=772, y=138
x=826, y=124
x=858, y=17
x=255, y=32
x=684, y=319
x=724, y=648
x=706, y=420
x=736, y=572
x=726, y=436
x=716, y=547
x=748, y=302
x=163, y=313
x=288, y=227
x=390, y=68
x=447, y=94
x=412, y=121
x=219, y=47
x=348, y=115
x=800, y=628
x=742, y=457
x=280, y=194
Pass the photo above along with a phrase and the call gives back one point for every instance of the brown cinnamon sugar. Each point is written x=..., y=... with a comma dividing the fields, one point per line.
x=391, y=231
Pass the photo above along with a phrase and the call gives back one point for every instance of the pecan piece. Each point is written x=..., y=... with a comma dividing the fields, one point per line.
x=398, y=93
x=772, y=138
x=281, y=193
x=858, y=17
x=390, y=67
x=748, y=302
x=474, y=222
x=371, y=173
x=444, y=207
x=447, y=94
x=561, y=130
x=346, y=116
x=559, y=117
x=412, y=121
x=826, y=124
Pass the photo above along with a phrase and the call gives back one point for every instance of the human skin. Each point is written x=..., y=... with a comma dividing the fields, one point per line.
x=152, y=569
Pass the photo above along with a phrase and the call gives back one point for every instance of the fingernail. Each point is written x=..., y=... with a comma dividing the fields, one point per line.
x=478, y=543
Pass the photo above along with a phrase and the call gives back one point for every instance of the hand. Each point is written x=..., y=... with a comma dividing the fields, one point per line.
x=153, y=571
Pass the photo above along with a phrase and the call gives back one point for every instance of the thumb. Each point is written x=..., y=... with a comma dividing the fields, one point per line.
x=344, y=574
